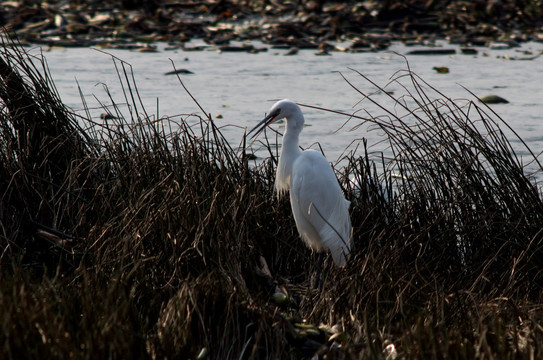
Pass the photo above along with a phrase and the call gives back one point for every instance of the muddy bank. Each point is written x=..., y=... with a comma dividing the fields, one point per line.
x=366, y=26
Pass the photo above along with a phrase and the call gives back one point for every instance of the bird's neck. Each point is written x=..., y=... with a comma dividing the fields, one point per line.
x=289, y=153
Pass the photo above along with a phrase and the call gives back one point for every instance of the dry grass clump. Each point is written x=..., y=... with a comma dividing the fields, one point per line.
x=466, y=206
x=143, y=238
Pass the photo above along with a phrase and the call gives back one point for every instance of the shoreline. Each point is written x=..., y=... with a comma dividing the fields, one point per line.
x=368, y=26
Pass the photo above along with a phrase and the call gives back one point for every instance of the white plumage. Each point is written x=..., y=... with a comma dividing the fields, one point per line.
x=320, y=210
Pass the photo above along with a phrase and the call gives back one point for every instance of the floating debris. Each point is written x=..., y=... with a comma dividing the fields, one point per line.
x=441, y=69
x=292, y=51
x=147, y=49
x=322, y=52
x=107, y=116
x=179, y=71
x=243, y=48
x=195, y=48
x=500, y=46
x=469, y=51
x=533, y=57
x=432, y=52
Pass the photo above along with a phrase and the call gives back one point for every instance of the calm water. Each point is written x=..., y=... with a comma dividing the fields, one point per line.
x=239, y=86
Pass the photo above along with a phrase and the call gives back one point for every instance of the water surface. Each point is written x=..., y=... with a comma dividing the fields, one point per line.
x=241, y=87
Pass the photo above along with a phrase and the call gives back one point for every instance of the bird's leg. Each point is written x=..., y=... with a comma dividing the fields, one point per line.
x=317, y=279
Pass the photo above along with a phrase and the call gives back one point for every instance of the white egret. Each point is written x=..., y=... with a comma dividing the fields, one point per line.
x=320, y=210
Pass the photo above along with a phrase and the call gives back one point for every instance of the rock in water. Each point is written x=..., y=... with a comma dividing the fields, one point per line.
x=493, y=99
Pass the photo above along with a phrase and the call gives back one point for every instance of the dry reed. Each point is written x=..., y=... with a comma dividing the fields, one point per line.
x=141, y=238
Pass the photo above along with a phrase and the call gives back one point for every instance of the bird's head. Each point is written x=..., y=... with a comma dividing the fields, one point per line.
x=283, y=109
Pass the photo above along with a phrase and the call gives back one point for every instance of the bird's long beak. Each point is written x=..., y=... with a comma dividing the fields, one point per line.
x=262, y=125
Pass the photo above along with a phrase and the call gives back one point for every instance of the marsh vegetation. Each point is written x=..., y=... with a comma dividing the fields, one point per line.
x=144, y=237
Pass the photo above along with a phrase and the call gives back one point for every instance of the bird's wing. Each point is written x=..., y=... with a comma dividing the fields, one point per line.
x=319, y=207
